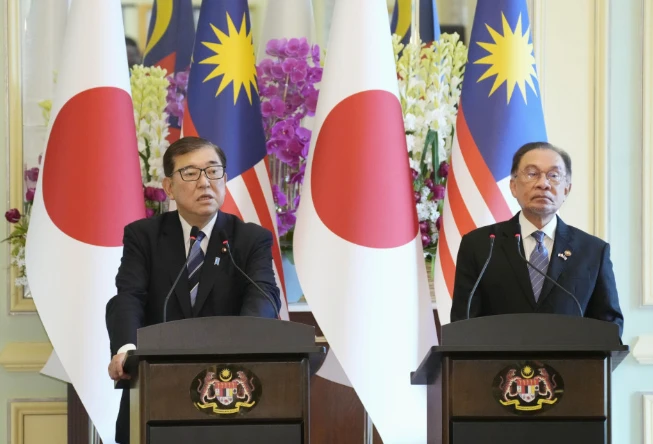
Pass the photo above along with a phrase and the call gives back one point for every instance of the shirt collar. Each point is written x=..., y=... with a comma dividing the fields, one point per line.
x=527, y=228
x=208, y=228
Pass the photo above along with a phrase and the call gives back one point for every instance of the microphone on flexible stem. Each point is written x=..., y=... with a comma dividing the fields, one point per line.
x=478, y=280
x=580, y=310
x=194, y=231
x=227, y=247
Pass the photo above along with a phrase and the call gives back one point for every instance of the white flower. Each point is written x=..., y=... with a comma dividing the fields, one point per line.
x=410, y=122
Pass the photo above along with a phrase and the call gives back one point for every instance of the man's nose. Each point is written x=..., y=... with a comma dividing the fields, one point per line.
x=543, y=182
x=203, y=181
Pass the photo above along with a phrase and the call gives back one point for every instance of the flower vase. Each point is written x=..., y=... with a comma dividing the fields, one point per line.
x=293, y=290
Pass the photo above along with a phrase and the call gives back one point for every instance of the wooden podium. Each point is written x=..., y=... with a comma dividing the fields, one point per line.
x=222, y=379
x=511, y=379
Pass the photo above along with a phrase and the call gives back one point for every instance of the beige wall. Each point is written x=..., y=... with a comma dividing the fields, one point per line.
x=590, y=61
x=18, y=379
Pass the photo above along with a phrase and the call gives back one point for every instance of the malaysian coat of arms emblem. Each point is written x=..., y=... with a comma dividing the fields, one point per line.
x=528, y=388
x=225, y=390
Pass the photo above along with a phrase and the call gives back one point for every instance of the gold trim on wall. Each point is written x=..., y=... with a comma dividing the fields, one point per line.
x=19, y=410
x=25, y=356
x=647, y=154
x=601, y=118
x=648, y=415
x=537, y=31
x=17, y=301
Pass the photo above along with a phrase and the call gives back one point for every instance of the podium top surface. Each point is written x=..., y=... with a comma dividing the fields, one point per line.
x=223, y=333
x=232, y=336
x=520, y=333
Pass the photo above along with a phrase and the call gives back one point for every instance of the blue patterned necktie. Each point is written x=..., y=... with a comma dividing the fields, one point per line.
x=195, y=262
x=540, y=259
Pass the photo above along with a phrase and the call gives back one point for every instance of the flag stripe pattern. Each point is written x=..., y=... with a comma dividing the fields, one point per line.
x=223, y=106
x=500, y=110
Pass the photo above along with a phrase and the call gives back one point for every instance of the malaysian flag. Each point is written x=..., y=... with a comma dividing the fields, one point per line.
x=223, y=106
x=500, y=110
x=170, y=40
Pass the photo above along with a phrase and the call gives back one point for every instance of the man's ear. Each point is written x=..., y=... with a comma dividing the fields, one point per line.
x=167, y=187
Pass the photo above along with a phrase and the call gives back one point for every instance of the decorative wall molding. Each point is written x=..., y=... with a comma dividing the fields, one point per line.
x=17, y=302
x=648, y=418
x=44, y=409
x=643, y=350
x=601, y=116
x=25, y=356
x=537, y=26
x=647, y=154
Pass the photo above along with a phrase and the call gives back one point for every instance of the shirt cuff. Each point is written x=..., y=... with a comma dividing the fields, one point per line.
x=125, y=348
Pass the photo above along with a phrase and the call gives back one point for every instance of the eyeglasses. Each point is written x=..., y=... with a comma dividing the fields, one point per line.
x=191, y=174
x=531, y=175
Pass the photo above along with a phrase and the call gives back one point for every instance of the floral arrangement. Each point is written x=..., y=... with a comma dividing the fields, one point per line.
x=177, y=92
x=18, y=236
x=430, y=80
x=150, y=94
x=288, y=94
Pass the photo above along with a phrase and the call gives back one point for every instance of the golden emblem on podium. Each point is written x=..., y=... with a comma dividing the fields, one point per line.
x=528, y=388
x=225, y=390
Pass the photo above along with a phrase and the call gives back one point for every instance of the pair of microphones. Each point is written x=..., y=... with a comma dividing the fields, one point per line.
x=487, y=261
x=194, y=231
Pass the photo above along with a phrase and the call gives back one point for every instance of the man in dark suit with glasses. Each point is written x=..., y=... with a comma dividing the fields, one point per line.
x=577, y=261
x=156, y=249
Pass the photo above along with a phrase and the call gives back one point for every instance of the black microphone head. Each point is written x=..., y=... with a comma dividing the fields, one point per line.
x=194, y=231
x=223, y=237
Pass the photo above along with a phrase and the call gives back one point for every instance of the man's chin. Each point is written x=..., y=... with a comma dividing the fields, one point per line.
x=541, y=211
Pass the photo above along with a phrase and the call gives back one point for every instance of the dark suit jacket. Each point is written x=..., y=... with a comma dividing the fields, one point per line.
x=506, y=288
x=153, y=254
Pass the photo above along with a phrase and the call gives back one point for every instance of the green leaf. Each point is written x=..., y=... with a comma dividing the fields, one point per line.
x=430, y=137
x=435, y=154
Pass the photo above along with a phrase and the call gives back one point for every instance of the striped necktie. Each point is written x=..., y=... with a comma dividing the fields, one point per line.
x=540, y=259
x=195, y=262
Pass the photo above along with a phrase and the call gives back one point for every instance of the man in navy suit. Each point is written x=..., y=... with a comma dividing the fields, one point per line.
x=577, y=261
x=155, y=250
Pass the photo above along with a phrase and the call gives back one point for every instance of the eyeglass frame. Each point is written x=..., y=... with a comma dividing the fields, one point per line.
x=201, y=170
x=563, y=177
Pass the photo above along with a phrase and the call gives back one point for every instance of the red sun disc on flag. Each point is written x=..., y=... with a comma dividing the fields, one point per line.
x=360, y=178
x=92, y=184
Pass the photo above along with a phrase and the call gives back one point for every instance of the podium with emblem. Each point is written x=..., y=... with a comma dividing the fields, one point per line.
x=222, y=379
x=536, y=378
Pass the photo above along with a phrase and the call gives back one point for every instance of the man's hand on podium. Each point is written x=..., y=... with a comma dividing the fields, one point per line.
x=116, y=367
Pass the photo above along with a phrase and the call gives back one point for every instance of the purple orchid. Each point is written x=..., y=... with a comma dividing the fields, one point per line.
x=287, y=89
x=12, y=216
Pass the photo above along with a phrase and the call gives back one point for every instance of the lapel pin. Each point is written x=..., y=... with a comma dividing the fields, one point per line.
x=216, y=261
x=562, y=256
x=567, y=253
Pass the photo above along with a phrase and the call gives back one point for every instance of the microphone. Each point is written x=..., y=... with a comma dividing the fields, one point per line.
x=194, y=231
x=227, y=247
x=487, y=261
x=580, y=310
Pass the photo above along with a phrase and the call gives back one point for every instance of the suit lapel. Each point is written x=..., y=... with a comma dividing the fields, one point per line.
x=518, y=266
x=173, y=253
x=210, y=271
x=563, y=241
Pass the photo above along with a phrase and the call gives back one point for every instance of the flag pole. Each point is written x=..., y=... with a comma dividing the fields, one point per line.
x=368, y=429
x=414, y=23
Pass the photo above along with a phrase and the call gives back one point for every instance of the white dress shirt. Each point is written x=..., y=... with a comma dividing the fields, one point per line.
x=185, y=228
x=527, y=229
